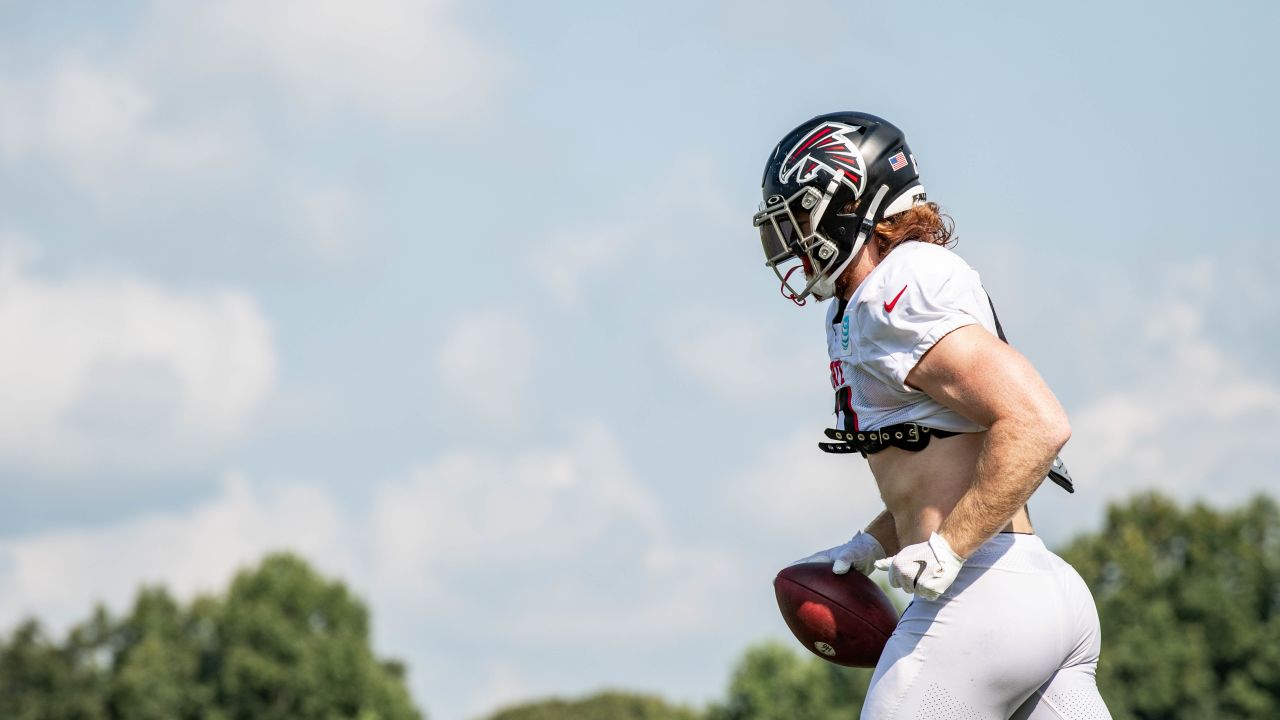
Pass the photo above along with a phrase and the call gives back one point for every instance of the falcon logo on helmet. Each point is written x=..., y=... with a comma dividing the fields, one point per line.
x=827, y=148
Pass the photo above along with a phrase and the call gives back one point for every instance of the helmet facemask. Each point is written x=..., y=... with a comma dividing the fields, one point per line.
x=790, y=236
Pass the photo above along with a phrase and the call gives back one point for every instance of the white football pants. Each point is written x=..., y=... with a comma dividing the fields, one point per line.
x=1016, y=636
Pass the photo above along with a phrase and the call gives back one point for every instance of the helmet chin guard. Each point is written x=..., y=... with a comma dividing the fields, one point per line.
x=816, y=212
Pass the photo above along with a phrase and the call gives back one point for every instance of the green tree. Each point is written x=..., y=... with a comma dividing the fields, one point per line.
x=1190, y=608
x=283, y=643
x=295, y=646
x=774, y=682
x=156, y=671
x=602, y=706
x=41, y=681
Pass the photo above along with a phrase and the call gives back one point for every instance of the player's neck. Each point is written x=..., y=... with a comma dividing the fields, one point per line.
x=863, y=263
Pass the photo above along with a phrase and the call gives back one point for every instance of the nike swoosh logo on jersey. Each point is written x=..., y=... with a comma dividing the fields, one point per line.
x=888, y=307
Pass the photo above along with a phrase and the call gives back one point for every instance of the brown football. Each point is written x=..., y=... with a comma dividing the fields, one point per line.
x=845, y=619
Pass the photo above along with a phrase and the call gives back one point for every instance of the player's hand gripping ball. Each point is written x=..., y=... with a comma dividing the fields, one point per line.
x=861, y=553
x=844, y=619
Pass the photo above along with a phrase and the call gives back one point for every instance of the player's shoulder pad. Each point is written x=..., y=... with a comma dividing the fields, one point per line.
x=915, y=277
x=922, y=265
x=917, y=294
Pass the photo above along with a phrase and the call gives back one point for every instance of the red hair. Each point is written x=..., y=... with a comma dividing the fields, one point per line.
x=923, y=223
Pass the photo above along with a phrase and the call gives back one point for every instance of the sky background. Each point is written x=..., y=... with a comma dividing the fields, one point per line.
x=461, y=301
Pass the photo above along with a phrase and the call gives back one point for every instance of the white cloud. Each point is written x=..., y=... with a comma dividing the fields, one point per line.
x=557, y=552
x=1185, y=415
x=57, y=575
x=103, y=129
x=121, y=139
x=505, y=685
x=536, y=507
x=484, y=364
x=402, y=61
x=683, y=219
x=737, y=358
x=329, y=220
x=184, y=120
x=551, y=552
x=1176, y=428
x=804, y=497
x=111, y=371
x=573, y=258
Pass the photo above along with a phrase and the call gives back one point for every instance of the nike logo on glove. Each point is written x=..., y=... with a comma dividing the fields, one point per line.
x=937, y=567
x=888, y=307
x=919, y=572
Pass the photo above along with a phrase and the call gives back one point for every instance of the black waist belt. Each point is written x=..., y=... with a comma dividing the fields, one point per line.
x=912, y=437
x=908, y=436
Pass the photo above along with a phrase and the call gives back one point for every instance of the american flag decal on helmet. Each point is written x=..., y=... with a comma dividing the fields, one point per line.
x=897, y=162
x=828, y=148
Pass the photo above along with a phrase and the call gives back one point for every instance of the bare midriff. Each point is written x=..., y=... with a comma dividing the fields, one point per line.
x=921, y=488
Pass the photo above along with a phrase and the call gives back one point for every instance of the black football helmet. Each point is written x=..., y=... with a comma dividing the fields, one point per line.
x=825, y=187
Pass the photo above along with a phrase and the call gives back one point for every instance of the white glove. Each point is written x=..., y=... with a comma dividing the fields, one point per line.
x=926, y=569
x=861, y=552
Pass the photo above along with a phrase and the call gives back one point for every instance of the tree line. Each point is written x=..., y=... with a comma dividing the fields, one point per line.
x=1189, y=599
x=282, y=644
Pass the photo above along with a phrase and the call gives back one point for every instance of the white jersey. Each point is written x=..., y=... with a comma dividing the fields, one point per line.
x=911, y=300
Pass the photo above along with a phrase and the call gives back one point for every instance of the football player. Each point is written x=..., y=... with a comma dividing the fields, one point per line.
x=957, y=426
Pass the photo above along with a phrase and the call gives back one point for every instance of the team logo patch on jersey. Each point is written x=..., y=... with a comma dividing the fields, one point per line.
x=828, y=149
x=844, y=333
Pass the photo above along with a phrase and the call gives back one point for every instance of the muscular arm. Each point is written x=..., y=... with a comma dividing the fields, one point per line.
x=982, y=378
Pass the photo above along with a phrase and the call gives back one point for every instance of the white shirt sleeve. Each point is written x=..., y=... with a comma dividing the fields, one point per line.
x=921, y=299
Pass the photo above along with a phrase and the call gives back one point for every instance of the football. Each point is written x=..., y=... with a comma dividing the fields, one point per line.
x=844, y=619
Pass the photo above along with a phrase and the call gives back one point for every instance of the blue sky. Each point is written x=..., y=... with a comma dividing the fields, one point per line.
x=462, y=301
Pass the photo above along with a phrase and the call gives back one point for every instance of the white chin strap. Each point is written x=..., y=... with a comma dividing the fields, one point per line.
x=825, y=287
